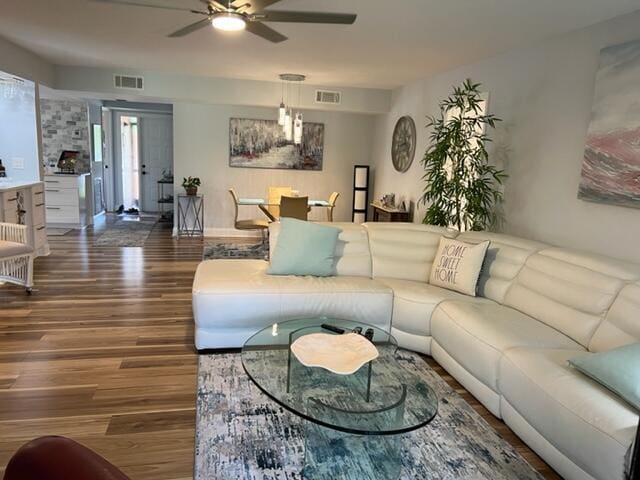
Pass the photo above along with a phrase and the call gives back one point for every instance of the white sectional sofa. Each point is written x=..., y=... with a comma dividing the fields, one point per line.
x=537, y=306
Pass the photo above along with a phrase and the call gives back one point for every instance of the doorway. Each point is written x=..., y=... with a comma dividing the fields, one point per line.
x=142, y=156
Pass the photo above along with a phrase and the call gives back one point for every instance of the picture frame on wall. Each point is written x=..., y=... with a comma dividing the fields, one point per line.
x=96, y=142
x=262, y=144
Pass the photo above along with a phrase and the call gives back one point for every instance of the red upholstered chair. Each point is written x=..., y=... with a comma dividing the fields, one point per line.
x=59, y=458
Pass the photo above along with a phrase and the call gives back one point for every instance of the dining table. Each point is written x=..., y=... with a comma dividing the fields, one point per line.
x=264, y=205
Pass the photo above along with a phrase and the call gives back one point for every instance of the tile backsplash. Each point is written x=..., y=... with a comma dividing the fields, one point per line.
x=65, y=126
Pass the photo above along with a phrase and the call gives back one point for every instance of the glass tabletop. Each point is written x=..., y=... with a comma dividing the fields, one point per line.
x=381, y=398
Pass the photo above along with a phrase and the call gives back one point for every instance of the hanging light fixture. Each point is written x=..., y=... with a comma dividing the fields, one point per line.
x=286, y=118
x=288, y=127
x=297, y=123
x=282, y=111
x=297, y=129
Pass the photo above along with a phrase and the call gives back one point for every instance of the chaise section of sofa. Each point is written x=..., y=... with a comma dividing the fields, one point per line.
x=233, y=299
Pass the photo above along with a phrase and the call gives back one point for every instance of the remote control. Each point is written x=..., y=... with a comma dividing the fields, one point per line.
x=331, y=328
x=369, y=334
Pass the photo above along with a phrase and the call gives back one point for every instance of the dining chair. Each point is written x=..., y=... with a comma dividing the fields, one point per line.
x=294, y=207
x=332, y=203
x=275, y=194
x=248, y=224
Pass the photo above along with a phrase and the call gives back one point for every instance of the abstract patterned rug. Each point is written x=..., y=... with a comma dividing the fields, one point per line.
x=126, y=231
x=217, y=250
x=243, y=435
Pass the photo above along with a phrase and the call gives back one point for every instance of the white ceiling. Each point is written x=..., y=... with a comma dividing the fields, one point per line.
x=392, y=42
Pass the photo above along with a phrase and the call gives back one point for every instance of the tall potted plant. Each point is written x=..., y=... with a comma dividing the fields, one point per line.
x=462, y=189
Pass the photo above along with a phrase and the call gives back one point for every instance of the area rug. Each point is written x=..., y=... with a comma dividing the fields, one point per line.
x=241, y=434
x=216, y=250
x=126, y=231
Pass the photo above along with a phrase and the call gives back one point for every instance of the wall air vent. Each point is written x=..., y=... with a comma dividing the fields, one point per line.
x=128, y=82
x=328, y=97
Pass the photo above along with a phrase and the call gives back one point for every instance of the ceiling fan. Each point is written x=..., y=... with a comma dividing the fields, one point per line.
x=242, y=14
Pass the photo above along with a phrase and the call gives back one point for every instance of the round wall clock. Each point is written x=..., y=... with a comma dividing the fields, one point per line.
x=403, y=146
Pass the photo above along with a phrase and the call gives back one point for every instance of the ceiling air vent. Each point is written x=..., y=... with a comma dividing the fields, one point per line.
x=327, y=96
x=129, y=82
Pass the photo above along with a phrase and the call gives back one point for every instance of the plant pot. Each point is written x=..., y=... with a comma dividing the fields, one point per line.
x=191, y=190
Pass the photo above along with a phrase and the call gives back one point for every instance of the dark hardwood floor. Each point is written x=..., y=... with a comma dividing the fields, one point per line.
x=103, y=353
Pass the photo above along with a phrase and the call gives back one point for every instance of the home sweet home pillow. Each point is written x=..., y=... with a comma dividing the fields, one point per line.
x=457, y=265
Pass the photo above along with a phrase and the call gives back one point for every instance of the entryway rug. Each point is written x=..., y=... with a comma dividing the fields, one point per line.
x=126, y=231
x=242, y=435
x=217, y=250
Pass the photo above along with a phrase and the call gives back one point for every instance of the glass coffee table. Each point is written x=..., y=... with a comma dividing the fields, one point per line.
x=353, y=421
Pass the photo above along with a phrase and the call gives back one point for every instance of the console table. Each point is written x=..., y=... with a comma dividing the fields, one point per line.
x=387, y=214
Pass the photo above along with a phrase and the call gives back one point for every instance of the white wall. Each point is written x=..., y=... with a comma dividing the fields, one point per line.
x=19, y=61
x=201, y=148
x=163, y=87
x=18, y=131
x=544, y=95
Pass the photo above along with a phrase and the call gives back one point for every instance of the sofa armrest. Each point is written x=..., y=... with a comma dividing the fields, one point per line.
x=12, y=232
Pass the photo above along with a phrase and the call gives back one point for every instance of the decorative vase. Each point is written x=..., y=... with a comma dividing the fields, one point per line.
x=191, y=190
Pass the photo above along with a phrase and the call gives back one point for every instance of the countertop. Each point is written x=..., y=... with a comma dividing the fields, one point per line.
x=66, y=174
x=6, y=184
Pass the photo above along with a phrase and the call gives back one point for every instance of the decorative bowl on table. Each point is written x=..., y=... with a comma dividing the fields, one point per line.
x=341, y=354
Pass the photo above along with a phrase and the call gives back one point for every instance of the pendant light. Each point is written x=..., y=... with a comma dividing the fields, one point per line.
x=297, y=129
x=297, y=123
x=286, y=119
x=282, y=110
x=288, y=127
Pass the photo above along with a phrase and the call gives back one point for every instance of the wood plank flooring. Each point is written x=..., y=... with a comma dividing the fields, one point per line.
x=103, y=353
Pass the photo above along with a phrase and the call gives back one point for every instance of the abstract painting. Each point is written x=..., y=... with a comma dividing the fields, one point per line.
x=262, y=144
x=611, y=164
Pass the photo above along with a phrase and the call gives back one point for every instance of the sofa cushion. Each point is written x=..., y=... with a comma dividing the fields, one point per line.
x=404, y=250
x=304, y=248
x=476, y=335
x=235, y=298
x=12, y=249
x=414, y=303
x=352, y=255
x=569, y=291
x=502, y=263
x=582, y=419
x=621, y=326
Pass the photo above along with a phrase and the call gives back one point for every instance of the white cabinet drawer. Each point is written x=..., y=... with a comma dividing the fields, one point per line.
x=62, y=214
x=39, y=236
x=62, y=196
x=10, y=215
x=59, y=181
x=38, y=214
x=9, y=201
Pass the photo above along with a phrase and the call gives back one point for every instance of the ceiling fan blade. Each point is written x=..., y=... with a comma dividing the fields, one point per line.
x=148, y=5
x=256, y=5
x=190, y=28
x=268, y=33
x=305, y=17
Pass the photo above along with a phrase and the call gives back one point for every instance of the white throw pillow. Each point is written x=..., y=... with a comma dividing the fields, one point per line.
x=457, y=265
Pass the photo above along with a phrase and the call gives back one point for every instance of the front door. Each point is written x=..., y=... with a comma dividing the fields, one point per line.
x=156, y=157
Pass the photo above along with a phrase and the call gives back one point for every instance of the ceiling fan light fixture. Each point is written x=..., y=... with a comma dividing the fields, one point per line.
x=228, y=21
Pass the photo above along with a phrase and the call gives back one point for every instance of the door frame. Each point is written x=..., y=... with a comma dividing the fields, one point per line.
x=113, y=174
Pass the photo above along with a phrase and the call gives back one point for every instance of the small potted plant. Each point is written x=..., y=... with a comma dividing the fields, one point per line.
x=191, y=184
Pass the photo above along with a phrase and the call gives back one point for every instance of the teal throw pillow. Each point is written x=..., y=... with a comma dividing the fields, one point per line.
x=617, y=369
x=304, y=248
